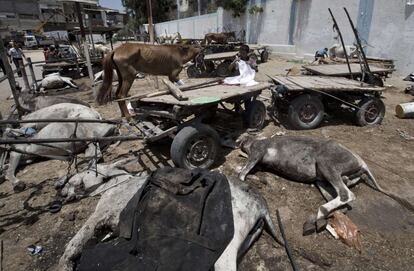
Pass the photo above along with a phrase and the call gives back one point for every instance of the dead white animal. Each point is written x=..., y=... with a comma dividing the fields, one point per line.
x=55, y=81
x=250, y=214
x=100, y=75
x=32, y=102
x=58, y=130
x=100, y=48
x=337, y=50
x=87, y=181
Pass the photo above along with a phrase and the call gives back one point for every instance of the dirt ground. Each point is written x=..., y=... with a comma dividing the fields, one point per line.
x=387, y=229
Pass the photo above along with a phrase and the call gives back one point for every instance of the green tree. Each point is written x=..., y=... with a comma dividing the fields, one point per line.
x=137, y=9
x=237, y=6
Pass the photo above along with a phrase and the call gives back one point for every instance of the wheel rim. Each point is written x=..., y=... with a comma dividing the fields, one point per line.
x=223, y=69
x=199, y=152
x=265, y=56
x=192, y=71
x=257, y=119
x=372, y=113
x=308, y=113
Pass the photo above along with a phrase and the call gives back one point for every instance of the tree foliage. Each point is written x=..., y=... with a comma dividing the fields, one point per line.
x=138, y=10
x=237, y=6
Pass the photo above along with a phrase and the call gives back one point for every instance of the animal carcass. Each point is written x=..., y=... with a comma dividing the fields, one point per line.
x=250, y=215
x=307, y=160
x=58, y=130
x=55, y=81
x=32, y=102
x=87, y=181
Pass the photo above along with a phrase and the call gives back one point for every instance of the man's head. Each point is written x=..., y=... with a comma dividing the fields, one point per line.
x=244, y=52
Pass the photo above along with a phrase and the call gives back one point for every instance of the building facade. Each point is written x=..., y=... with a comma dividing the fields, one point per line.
x=39, y=16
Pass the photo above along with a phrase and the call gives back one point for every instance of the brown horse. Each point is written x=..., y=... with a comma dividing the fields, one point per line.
x=220, y=38
x=131, y=58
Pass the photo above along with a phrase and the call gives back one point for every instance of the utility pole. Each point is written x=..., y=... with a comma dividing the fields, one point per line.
x=150, y=22
x=83, y=41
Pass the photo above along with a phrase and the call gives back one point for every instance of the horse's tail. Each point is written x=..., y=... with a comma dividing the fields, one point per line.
x=104, y=93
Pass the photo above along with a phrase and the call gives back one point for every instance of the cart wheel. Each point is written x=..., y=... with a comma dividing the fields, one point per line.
x=193, y=71
x=195, y=147
x=255, y=115
x=223, y=69
x=264, y=56
x=371, y=111
x=209, y=66
x=306, y=112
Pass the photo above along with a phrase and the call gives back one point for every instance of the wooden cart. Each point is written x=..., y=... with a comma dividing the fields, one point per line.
x=212, y=65
x=342, y=70
x=305, y=99
x=196, y=143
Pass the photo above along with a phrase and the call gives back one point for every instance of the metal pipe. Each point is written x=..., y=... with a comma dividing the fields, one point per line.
x=65, y=140
x=342, y=42
x=60, y=120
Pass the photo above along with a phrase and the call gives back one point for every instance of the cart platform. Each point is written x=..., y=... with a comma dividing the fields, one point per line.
x=324, y=83
x=342, y=69
x=209, y=94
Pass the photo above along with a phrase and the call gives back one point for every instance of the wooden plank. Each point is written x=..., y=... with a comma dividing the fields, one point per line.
x=220, y=56
x=330, y=84
x=223, y=92
x=342, y=69
x=175, y=91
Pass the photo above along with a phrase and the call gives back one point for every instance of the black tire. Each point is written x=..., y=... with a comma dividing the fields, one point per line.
x=371, y=111
x=193, y=71
x=306, y=112
x=223, y=69
x=195, y=146
x=255, y=115
x=209, y=66
x=264, y=56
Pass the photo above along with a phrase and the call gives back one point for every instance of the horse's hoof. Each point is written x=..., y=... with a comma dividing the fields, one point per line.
x=19, y=187
x=321, y=224
x=309, y=227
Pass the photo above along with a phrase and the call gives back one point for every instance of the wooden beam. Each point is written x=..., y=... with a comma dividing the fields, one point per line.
x=175, y=91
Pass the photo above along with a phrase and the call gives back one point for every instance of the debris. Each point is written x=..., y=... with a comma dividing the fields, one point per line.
x=34, y=249
x=347, y=231
x=405, y=110
x=279, y=133
x=409, y=90
x=332, y=231
x=405, y=135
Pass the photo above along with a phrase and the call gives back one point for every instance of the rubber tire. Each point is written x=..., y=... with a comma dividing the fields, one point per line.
x=363, y=105
x=193, y=71
x=264, y=56
x=297, y=104
x=223, y=69
x=252, y=108
x=183, y=140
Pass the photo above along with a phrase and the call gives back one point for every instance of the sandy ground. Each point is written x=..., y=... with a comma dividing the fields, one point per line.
x=387, y=229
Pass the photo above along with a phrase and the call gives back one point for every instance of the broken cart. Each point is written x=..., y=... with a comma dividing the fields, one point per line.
x=305, y=99
x=195, y=142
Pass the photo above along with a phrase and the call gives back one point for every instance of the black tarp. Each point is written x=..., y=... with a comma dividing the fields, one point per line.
x=179, y=220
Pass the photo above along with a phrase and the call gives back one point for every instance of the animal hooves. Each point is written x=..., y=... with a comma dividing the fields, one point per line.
x=19, y=187
x=321, y=224
x=309, y=227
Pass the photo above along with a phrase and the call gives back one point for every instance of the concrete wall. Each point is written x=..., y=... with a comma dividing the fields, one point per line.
x=300, y=27
x=192, y=27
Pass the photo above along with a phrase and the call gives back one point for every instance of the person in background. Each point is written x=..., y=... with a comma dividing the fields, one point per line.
x=321, y=55
x=244, y=54
x=16, y=55
x=54, y=53
x=46, y=52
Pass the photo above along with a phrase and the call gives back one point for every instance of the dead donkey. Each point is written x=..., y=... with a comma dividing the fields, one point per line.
x=307, y=160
